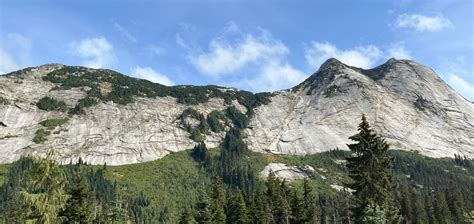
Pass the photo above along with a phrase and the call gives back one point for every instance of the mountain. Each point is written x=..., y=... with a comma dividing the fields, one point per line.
x=103, y=116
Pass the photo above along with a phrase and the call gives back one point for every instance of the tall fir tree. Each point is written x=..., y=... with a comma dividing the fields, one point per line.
x=237, y=209
x=80, y=205
x=45, y=196
x=371, y=174
x=203, y=209
x=186, y=217
x=218, y=202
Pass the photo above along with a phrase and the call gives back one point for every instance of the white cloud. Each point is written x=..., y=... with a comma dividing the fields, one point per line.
x=151, y=75
x=362, y=56
x=423, y=23
x=275, y=75
x=465, y=88
x=225, y=58
x=97, y=52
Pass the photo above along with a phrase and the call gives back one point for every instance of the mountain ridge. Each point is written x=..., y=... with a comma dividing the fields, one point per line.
x=118, y=119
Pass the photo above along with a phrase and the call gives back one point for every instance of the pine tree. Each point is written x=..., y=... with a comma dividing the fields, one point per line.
x=455, y=203
x=258, y=208
x=370, y=170
x=236, y=209
x=45, y=196
x=430, y=213
x=203, y=209
x=186, y=217
x=418, y=212
x=80, y=206
x=442, y=212
x=308, y=202
x=297, y=215
x=218, y=202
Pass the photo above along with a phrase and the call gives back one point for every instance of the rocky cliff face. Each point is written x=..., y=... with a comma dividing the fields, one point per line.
x=406, y=102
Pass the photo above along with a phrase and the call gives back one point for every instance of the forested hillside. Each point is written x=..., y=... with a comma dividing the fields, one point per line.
x=183, y=186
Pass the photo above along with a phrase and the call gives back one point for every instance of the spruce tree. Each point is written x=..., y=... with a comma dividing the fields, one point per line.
x=45, y=195
x=442, y=212
x=236, y=209
x=80, y=205
x=218, y=202
x=186, y=217
x=203, y=209
x=370, y=171
x=308, y=202
x=259, y=208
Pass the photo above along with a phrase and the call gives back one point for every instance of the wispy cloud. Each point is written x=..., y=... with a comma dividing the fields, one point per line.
x=361, y=56
x=151, y=75
x=97, y=52
x=423, y=23
x=125, y=32
x=257, y=60
x=224, y=57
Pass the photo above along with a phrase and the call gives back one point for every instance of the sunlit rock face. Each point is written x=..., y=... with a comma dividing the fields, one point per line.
x=405, y=102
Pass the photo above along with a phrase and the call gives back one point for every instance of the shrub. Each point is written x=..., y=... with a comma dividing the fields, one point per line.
x=52, y=123
x=83, y=103
x=215, y=120
x=239, y=119
x=50, y=104
x=40, y=136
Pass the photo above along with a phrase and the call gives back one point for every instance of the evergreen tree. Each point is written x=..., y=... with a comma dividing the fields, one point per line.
x=259, y=208
x=430, y=213
x=308, y=202
x=203, y=209
x=80, y=205
x=418, y=211
x=442, y=212
x=186, y=217
x=455, y=203
x=370, y=170
x=218, y=202
x=236, y=209
x=45, y=195
x=297, y=212
x=201, y=154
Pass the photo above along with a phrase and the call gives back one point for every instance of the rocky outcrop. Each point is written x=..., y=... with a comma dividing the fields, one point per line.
x=406, y=102
x=287, y=172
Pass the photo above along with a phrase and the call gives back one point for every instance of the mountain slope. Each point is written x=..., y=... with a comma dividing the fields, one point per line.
x=406, y=102
x=110, y=118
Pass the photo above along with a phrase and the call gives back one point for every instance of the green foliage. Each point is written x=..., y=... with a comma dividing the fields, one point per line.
x=80, y=205
x=370, y=170
x=53, y=123
x=197, y=132
x=40, y=136
x=236, y=209
x=239, y=119
x=217, y=121
x=124, y=88
x=50, y=104
x=83, y=103
x=44, y=197
x=201, y=154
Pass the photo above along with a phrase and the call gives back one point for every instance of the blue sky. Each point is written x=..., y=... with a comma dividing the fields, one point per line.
x=252, y=45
